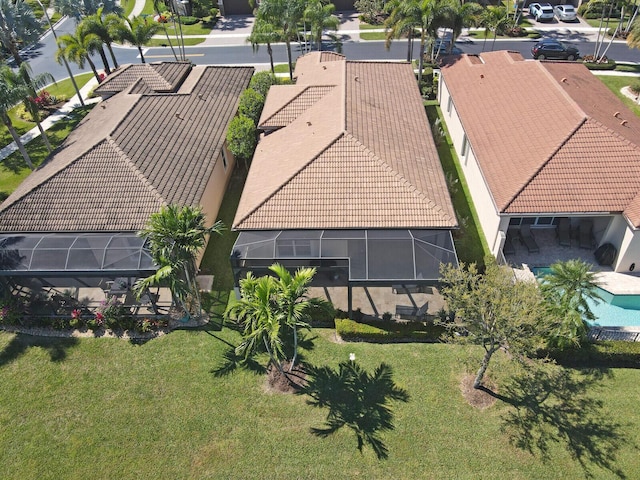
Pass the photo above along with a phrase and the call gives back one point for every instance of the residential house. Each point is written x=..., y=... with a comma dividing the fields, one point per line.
x=545, y=147
x=346, y=178
x=157, y=138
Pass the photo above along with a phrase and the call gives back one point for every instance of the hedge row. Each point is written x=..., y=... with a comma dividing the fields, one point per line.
x=383, y=331
x=610, y=354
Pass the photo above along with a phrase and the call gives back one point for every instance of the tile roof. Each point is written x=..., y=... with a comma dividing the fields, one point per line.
x=352, y=153
x=129, y=156
x=145, y=78
x=574, y=150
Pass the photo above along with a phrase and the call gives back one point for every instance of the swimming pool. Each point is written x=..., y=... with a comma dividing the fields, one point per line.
x=613, y=310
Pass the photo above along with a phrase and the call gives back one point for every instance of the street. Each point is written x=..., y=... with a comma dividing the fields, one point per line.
x=41, y=56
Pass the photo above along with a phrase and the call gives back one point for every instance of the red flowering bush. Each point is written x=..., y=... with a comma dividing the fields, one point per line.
x=43, y=100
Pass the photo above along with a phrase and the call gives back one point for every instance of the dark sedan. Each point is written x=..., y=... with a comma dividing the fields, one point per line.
x=553, y=49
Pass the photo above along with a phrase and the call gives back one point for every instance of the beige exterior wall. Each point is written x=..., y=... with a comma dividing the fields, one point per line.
x=214, y=192
x=629, y=250
x=482, y=199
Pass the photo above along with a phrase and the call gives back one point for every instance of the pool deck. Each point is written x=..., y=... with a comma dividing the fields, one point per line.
x=619, y=283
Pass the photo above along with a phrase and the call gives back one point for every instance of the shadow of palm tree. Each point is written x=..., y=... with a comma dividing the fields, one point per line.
x=355, y=399
x=551, y=405
x=56, y=347
x=232, y=361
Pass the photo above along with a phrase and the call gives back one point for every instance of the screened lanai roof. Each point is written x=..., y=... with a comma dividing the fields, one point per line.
x=374, y=255
x=56, y=253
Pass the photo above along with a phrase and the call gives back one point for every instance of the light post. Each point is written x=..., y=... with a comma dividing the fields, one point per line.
x=73, y=80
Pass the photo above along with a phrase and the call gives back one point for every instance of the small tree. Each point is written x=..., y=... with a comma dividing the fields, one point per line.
x=12, y=92
x=137, y=31
x=242, y=138
x=251, y=104
x=261, y=82
x=493, y=310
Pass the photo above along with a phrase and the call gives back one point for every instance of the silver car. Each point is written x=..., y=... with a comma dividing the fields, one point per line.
x=541, y=11
x=565, y=13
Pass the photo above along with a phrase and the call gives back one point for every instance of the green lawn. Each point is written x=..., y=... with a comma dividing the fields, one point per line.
x=162, y=42
x=64, y=89
x=13, y=169
x=107, y=408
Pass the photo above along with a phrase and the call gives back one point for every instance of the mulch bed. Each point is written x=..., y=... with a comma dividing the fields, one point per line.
x=290, y=382
x=477, y=398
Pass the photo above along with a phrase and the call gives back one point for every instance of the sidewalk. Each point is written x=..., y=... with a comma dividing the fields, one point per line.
x=48, y=122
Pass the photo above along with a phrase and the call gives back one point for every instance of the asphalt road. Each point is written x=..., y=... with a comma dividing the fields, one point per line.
x=41, y=57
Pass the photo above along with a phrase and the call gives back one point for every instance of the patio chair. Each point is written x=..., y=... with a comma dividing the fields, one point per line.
x=585, y=231
x=410, y=312
x=527, y=238
x=563, y=230
x=509, y=247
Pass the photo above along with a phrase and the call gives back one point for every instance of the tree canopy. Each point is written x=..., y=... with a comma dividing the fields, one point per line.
x=18, y=26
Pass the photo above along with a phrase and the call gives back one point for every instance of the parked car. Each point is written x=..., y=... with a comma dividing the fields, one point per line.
x=541, y=11
x=565, y=13
x=554, y=49
x=441, y=47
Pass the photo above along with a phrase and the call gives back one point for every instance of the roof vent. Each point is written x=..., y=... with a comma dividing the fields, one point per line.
x=617, y=114
x=308, y=124
x=324, y=67
x=564, y=80
x=623, y=122
x=356, y=78
x=481, y=76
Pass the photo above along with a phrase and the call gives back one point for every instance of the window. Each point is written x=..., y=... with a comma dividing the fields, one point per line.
x=449, y=103
x=465, y=147
x=224, y=158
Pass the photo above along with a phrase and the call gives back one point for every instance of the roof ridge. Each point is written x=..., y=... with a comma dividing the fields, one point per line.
x=397, y=175
x=558, y=87
x=294, y=98
x=613, y=132
x=132, y=166
x=545, y=163
x=288, y=180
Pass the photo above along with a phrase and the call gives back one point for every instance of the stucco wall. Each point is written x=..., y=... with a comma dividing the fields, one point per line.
x=482, y=199
x=629, y=250
x=214, y=193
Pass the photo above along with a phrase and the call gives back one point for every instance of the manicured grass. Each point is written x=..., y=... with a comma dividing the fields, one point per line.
x=13, y=170
x=107, y=408
x=366, y=26
x=373, y=36
x=469, y=240
x=64, y=89
x=615, y=83
x=127, y=6
x=283, y=67
x=162, y=42
x=200, y=28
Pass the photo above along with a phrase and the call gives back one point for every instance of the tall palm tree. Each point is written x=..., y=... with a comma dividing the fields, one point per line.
x=461, y=15
x=264, y=32
x=157, y=8
x=402, y=20
x=136, y=31
x=10, y=94
x=568, y=288
x=95, y=24
x=633, y=39
x=320, y=17
x=78, y=49
x=493, y=19
x=18, y=25
x=176, y=235
x=24, y=76
x=284, y=15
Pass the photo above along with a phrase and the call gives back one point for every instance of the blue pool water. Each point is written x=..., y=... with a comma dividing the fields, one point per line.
x=613, y=310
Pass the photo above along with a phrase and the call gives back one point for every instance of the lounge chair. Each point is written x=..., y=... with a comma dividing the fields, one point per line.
x=527, y=238
x=411, y=312
x=586, y=234
x=563, y=230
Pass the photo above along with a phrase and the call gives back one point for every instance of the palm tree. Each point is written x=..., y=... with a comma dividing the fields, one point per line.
x=493, y=19
x=78, y=49
x=96, y=25
x=568, y=288
x=633, y=39
x=80, y=9
x=18, y=25
x=462, y=15
x=402, y=20
x=24, y=76
x=10, y=94
x=283, y=15
x=176, y=235
x=136, y=31
x=158, y=10
x=263, y=32
x=320, y=16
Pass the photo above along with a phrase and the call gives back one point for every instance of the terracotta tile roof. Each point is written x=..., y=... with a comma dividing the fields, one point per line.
x=130, y=155
x=359, y=156
x=568, y=152
x=145, y=78
x=294, y=107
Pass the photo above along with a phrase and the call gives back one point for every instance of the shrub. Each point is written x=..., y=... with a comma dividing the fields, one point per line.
x=241, y=137
x=214, y=12
x=635, y=87
x=610, y=354
x=388, y=331
x=605, y=64
x=185, y=20
x=261, y=82
x=515, y=32
x=251, y=104
x=10, y=312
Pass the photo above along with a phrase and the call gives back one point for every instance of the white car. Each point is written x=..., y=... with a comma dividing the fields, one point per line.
x=565, y=13
x=541, y=11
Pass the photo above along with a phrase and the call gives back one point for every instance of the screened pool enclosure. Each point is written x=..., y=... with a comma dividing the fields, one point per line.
x=348, y=257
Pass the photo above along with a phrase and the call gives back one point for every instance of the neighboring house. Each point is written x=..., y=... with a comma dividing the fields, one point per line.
x=243, y=7
x=346, y=178
x=568, y=155
x=157, y=139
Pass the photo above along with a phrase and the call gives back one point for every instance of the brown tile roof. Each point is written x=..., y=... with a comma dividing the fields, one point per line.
x=352, y=154
x=130, y=155
x=566, y=152
x=145, y=78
